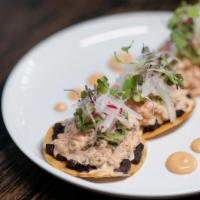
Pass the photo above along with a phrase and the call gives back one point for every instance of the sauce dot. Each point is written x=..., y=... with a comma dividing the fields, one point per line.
x=195, y=146
x=93, y=78
x=75, y=94
x=115, y=66
x=60, y=107
x=181, y=163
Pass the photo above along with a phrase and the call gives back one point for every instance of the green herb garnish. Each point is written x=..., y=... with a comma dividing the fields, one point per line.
x=127, y=48
x=86, y=117
x=102, y=85
x=115, y=136
x=82, y=119
x=150, y=64
x=183, y=31
x=130, y=88
x=124, y=49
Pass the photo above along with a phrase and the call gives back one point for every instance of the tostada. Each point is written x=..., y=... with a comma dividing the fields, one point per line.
x=185, y=44
x=155, y=91
x=102, y=139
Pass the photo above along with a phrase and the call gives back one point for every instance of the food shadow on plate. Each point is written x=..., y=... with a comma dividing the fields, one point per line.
x=106, y=180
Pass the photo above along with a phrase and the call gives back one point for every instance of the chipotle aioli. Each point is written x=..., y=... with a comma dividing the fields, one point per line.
x=60, y=107
x=115, y=66
x=74, y=94
x=181, y=163
x=93, y=78
x=195, y=146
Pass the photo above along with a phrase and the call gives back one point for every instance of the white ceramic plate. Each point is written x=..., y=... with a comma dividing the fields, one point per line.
x=65, y=60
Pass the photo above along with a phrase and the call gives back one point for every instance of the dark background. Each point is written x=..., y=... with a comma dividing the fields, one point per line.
x=24, y=23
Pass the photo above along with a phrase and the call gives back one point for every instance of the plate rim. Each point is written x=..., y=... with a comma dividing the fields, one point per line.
x=34, y=159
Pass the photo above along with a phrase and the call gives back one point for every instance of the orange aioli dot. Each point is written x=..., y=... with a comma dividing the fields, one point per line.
x=60, y=107
x=195, y=146
x=74, y=94
x=115, y=66
x=92, y=79
x=181, y=163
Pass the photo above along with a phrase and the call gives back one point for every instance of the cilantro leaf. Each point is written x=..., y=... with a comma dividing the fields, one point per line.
x=102, y=85
x=113, y=91
x=126, y=49
x=130, y=89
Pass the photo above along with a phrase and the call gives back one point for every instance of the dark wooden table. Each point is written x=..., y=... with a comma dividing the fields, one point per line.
x=24, y=23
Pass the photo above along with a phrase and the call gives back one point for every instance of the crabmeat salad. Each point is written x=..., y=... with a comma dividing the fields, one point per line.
x=102, y=138
x=154, y=89
x=185, y=44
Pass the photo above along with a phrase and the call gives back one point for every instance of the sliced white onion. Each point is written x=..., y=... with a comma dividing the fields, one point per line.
x=164, y=92
x=153, y=83
x=124, y=121
x=90, y=114
x=112, y=114
x=107, y=123
x=156, y=85
x=148, y=86
x=121, y=104
x=127, y=71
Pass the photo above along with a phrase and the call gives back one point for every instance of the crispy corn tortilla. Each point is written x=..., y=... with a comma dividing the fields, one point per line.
x=61, y=165
x=170, y=125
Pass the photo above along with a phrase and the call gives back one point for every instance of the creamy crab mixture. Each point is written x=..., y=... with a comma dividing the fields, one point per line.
x=191, y=75
x=189, y=71
x=103, y=135
x=153, y=89
x=185, y=43
x=156, y=111
x=85, y=149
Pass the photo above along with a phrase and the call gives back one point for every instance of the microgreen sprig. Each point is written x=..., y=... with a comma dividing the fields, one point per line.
x=149, y=62
x=183, y=31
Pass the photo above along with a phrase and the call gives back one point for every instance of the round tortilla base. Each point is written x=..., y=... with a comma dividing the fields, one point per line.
x=170, y=125
x=61, y=165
